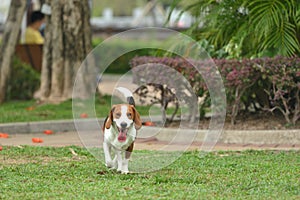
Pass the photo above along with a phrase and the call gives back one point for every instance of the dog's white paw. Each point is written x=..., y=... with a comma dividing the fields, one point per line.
x=111, y=165
x=124, y=172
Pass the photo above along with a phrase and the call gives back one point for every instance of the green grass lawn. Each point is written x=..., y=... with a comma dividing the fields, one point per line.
x=26, y=111
x=56, y=173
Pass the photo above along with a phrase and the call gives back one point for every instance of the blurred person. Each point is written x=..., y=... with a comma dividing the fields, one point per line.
x=32, y=33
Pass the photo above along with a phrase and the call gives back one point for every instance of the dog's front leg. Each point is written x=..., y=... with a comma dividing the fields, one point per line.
x=107, y=154
x=119, y=160
x=125, y=166
x=122, y=163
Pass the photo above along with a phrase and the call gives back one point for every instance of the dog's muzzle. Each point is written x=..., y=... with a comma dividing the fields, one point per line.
x=122, y=132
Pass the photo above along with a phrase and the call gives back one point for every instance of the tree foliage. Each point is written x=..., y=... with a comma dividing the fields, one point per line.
x=250, y=28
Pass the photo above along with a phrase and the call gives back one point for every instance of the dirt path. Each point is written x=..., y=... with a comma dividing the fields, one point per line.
x=72, y=138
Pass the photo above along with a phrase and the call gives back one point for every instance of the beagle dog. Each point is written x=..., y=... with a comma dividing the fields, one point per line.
x=120, y=130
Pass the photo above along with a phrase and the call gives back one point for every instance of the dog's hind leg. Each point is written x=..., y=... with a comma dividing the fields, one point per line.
x=129, y=151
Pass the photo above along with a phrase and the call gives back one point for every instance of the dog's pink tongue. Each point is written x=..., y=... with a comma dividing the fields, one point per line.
x=122, y=136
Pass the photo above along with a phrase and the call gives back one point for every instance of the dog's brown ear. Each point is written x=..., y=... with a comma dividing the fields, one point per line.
x=104, y=124
x=137, y=119
x=110, y=118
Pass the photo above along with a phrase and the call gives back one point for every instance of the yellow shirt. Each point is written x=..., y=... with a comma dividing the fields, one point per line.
x=33, y=36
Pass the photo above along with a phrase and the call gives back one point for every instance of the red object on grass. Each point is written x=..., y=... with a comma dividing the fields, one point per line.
x=48, y=132
x=148, y=123
x=4, y=135
x=30, y=108
x=83, y=115
x=37, y=140
x=1, y=148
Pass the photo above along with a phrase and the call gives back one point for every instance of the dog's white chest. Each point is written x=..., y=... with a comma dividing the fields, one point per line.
x=110, y=135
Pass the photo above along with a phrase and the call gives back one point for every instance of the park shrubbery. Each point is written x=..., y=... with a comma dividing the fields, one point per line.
x=24, y=81
x=252, y=85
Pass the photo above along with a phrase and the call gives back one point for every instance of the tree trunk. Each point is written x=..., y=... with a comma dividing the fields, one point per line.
x=46, y=71
x=9, y=41
x=68, y=41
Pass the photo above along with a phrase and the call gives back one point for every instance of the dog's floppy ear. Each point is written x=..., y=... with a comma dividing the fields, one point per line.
x=110, y=118
x=137, y=119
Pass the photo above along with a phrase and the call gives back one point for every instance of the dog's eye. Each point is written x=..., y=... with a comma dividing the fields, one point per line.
x=129, y=115
x=118, y=114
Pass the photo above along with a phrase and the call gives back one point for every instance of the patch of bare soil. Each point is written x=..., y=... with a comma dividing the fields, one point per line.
x=247, y=122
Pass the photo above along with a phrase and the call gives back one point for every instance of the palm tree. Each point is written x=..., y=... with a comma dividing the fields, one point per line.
x=247, y=27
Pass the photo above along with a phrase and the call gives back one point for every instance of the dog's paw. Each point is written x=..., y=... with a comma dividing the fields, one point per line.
x=125, y=172
x=119, y=170
x=110, y=165
x=122, y=171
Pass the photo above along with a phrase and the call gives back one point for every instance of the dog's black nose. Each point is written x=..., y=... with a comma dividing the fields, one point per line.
x=123, y=125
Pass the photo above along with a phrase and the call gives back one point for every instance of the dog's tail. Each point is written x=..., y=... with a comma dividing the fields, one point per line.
x=127, y=94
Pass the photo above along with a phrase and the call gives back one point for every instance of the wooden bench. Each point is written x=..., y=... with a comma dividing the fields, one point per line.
x=31, y=54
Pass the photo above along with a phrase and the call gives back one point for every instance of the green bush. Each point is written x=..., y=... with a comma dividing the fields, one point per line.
x=24, y=81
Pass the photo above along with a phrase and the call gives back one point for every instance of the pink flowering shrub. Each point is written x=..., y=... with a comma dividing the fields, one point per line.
x=267, y=84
